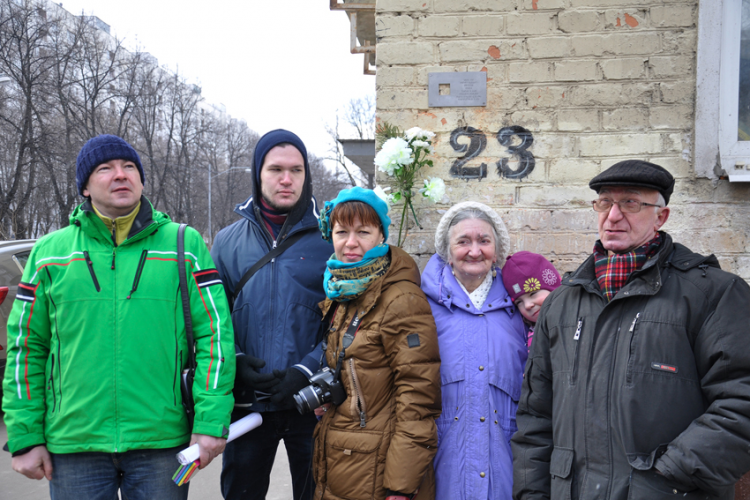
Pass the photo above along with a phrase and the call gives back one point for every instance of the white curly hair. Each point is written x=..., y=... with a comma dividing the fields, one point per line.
x=472, y=210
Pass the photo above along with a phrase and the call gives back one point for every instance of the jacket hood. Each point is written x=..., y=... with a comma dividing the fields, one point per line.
x=684, y=258
x=442, y=287
x=403, y=268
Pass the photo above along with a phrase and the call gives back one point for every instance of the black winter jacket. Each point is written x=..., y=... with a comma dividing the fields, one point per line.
x=645, y=397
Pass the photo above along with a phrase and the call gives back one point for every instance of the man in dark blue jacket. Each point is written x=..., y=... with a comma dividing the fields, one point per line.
x=277, y=321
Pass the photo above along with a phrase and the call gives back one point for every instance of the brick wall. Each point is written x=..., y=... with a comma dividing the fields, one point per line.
x=593, y=81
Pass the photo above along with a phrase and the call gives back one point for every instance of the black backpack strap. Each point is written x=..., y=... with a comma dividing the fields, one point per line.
x=275, y=252
x=187, y=378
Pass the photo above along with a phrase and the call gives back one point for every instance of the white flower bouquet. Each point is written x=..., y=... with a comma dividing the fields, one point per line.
x=401, y=157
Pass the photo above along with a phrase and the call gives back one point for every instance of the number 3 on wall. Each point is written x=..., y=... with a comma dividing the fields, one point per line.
x=477, y=144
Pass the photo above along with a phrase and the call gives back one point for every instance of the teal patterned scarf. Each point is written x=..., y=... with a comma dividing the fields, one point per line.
x=347, y=281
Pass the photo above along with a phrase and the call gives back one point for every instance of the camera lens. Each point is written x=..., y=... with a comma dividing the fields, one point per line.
x=300, y=404
x=308, y=399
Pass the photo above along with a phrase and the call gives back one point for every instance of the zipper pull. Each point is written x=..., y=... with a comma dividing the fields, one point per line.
x=362, y=419
x=632, y=326
x=272, y=248
x=113, y=260
x=91, y=270
x=578, y=329
x=138, y=271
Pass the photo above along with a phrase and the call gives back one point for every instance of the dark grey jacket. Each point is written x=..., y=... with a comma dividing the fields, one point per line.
x=656, y=379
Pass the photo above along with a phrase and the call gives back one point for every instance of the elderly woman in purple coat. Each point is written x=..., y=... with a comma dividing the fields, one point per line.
x=483, y=352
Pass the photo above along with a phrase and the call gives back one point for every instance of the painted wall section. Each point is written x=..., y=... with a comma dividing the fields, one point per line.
x=593, y=82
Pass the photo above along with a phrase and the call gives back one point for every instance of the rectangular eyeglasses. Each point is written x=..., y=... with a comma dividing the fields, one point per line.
x=626, y=206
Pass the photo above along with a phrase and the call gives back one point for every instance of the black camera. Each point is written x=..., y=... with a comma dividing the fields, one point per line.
x=323, y=389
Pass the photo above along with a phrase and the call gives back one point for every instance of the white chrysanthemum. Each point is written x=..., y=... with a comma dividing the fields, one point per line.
x=412, y=133
x=423, y=145
x=418, y=133
x=394, y=154
x=381, y=193
x=434, y=189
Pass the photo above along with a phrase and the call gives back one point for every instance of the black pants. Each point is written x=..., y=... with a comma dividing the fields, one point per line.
x=248, y=460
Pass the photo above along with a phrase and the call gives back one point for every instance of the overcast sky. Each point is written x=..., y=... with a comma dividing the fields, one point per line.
x=274, y=64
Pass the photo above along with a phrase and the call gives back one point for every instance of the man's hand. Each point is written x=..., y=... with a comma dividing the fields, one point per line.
x=35, y=464
x=292, y=380
x=247, y=372
x=210, y=447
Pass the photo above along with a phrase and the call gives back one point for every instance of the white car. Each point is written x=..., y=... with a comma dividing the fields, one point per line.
x=13, y=257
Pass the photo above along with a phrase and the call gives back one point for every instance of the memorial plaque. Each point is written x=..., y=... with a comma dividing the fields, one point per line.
x=464, y=89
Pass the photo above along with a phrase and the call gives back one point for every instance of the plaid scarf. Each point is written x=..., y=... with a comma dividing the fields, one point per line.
x=612, y=271
x=273, y=219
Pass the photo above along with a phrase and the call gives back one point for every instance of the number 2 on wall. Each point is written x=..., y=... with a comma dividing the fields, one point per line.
x=477, y=144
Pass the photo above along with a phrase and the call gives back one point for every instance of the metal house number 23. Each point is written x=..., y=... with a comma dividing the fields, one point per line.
x=477, y=144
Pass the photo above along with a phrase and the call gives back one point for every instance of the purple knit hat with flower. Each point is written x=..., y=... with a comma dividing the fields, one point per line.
x=526, y=272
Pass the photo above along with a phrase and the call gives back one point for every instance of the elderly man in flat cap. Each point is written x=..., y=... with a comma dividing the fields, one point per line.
x=638, y=382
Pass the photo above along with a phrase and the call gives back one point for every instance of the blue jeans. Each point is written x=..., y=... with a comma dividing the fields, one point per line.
x=138, y=474
x=248, y=460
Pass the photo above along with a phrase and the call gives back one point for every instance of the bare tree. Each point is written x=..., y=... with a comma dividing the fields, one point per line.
x=26, y=61
x=66, y=127
x=326, y=183
x=152, y=86
x=64, y=80
x=235, y=185
x=336, y=154
x=358, y=123
x=360, y=115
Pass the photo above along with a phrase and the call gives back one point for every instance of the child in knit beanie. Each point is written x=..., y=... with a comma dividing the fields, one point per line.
x=529, y=278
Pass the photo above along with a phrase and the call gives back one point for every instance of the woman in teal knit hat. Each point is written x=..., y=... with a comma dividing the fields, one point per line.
x=381, y=440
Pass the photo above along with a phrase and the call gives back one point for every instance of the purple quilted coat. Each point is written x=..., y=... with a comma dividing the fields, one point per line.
x=483, y=353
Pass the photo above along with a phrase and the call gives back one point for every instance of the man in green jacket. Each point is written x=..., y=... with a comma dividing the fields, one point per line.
x=97, y=344
x=637, y=382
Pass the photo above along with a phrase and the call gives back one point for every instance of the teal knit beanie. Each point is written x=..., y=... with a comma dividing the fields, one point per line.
x=357, y=193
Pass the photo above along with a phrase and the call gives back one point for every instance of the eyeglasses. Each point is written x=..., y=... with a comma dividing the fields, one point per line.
x=626, y=206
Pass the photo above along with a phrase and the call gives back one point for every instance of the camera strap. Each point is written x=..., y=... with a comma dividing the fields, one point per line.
x=272, y=254
x=349, y=335
x=350, y=332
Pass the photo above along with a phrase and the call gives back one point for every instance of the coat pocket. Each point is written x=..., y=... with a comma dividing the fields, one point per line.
x=653, y=486
x=506, y=405
x=51, y=387
x=351, y=463
x=560, y=468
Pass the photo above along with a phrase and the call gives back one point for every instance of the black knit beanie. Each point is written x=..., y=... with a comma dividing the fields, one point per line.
x=102, y=149
x=266, y=143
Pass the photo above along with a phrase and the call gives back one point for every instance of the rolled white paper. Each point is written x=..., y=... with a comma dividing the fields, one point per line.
x=237, y=429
